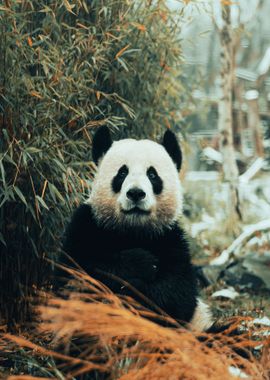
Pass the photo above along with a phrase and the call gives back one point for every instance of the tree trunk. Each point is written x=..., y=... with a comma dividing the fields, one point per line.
x=230, y=169
x=225, y=103
x=254, y=122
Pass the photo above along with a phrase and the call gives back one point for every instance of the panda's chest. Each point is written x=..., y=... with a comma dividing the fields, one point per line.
x=114, y=242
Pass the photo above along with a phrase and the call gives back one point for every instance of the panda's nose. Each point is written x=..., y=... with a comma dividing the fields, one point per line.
x=135, y=194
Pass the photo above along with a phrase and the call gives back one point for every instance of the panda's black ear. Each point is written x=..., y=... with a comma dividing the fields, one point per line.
x=170, y=143
x=102, y=141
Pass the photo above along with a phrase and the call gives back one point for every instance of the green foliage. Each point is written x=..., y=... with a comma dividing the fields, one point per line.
x=67, y=67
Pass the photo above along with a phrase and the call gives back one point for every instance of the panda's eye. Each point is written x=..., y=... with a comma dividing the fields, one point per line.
x=119, y=178
x=155, y=180
x=151, y=173
x=122, y=172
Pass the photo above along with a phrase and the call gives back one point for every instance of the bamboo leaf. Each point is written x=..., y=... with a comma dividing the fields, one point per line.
x=122, y=63
x=20, y=195
x=41, y=202
x=3, y=173
x=122, y=51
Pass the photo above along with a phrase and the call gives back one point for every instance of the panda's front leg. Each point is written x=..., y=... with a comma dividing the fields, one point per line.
x=175, y=293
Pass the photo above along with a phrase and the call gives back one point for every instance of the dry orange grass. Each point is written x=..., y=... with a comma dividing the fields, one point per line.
x=90, y=329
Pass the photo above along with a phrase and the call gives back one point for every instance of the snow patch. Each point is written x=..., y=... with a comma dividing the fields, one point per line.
x=230, y=293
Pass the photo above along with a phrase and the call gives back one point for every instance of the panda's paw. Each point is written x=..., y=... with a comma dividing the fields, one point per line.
x=136, y=283
x=140, y=263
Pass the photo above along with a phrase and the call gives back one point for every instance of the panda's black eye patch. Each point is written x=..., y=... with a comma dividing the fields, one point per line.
x=155, y=180
x=123, y=171
x=119, y=178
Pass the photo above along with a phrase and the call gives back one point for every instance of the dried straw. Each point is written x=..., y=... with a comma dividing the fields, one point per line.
x=94, y=330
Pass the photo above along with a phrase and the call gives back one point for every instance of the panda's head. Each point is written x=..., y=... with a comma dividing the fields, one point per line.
x=137, y=183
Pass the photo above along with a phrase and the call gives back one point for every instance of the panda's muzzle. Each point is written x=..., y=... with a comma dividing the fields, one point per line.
x=135, y=195
x=135, y=201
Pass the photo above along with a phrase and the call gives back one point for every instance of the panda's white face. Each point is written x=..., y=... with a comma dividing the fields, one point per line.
x=136, y=185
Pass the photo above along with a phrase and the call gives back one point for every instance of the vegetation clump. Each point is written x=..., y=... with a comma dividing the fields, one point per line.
x=66, y=68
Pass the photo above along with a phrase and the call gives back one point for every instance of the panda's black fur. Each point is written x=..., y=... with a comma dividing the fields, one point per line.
x=158, y=265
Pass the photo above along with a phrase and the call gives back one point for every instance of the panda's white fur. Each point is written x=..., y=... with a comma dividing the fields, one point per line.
x=138, y=155
x=202, y=319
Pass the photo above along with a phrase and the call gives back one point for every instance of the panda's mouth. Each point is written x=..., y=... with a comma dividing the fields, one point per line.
x=136, y=211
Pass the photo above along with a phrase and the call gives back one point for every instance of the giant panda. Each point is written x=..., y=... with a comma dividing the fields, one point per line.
x=129, y=227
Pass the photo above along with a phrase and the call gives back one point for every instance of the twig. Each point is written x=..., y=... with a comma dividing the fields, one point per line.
x=235, y=246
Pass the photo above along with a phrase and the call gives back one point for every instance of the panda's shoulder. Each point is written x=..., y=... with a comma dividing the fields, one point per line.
x=82, y=221
x=175, y=246
x=177, y=236
x=82, y=214
x=83, y=210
